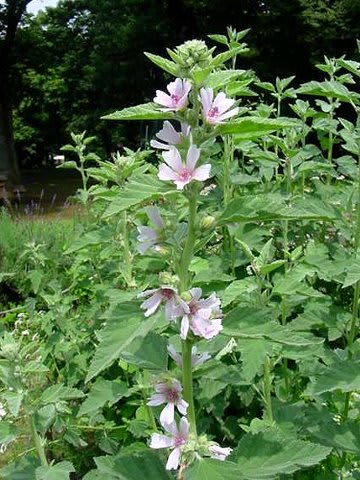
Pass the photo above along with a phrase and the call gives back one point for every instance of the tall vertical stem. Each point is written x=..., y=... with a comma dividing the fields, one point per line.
x=186, y=258
x=355, y=306
x=188, y=383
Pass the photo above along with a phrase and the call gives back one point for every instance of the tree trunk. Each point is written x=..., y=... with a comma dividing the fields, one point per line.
x=9, y=168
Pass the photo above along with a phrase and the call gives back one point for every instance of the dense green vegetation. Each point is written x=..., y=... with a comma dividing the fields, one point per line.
x=266, y=229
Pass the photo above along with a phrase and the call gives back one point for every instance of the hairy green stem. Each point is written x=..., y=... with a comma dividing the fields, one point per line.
x=186, y=258
x=188, y=251
x=188, y=383
x=38, y=442
x=355, y=303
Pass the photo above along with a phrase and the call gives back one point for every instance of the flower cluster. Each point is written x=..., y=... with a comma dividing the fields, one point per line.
x=202, y=316
x=195, y=317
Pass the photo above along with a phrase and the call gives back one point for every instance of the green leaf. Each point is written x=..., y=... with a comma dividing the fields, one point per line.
x=343, y=375
x=132, y=467
x=344, y=436
x=8, y=432
x=247, y=128
x=223, y=77
x=59, y=471
x=273, y=206
x=149, y=352
x=58, y=392
x=221, y=58
x=219, y=38
x=23, y=469
x=14, y=400
x=35, y=278
x=125, y=325
x=163, y=63
x=145, y=111
x=139, y=189
x=329, y=89
x=352, y=272
x=266, y=455
x=236, y=289
x=253, y=354
x=209, y=469
x=102, y=392
x=71, y=165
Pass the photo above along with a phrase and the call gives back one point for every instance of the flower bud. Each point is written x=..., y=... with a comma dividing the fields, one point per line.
x=207, y=222
x=186, y=296
x=193, y=53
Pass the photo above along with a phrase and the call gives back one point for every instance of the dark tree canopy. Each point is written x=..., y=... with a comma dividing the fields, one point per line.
x=78, y=61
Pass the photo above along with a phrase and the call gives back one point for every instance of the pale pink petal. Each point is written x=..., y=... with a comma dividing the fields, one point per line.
x=142, y=247
x=174, y=459
x=222, y=103
x=207, y=96
x=147, y=293
x=185, y=129
x=151, y=304
x=156, y=399
x=196, y=293
x=168, y=134
x=174, y=355
x=175, y=87
x=182, y=406
x=184, y=428
x=171, y=310
x=154, y=215
x=202, y=173
x=184, y=329
x=165, y=173
x=180, y=184
x=171, y=428
x=200, y=359
x=161, y=146
x=228, y=114
x=167, y=414
x=146, y=234
x=163, y=99
x=219, y=453
x=160, y=441
x=173, y=159
x=211, y=302
x=192, y=157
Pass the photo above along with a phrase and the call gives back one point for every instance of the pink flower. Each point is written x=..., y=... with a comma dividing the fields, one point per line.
x=149, y=237
x=182, y=174
x=178, y=98
x=170, y=393
x=204, y=317
x=165, y=294
x=196, y=359
x=170, y=136
x=177, y=439
x=219, y=453
x=215, y=111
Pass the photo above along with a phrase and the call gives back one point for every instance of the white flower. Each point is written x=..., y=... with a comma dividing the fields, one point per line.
x=204, y=316
x=183, y=173
x=170, y=136
x=178, y=98
x=219, y=453
x=177, y=439
x=169, y=393
x=215, y=111
x=196, y=359
x=149, y=237
x=165, y=294
x=2, y=410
